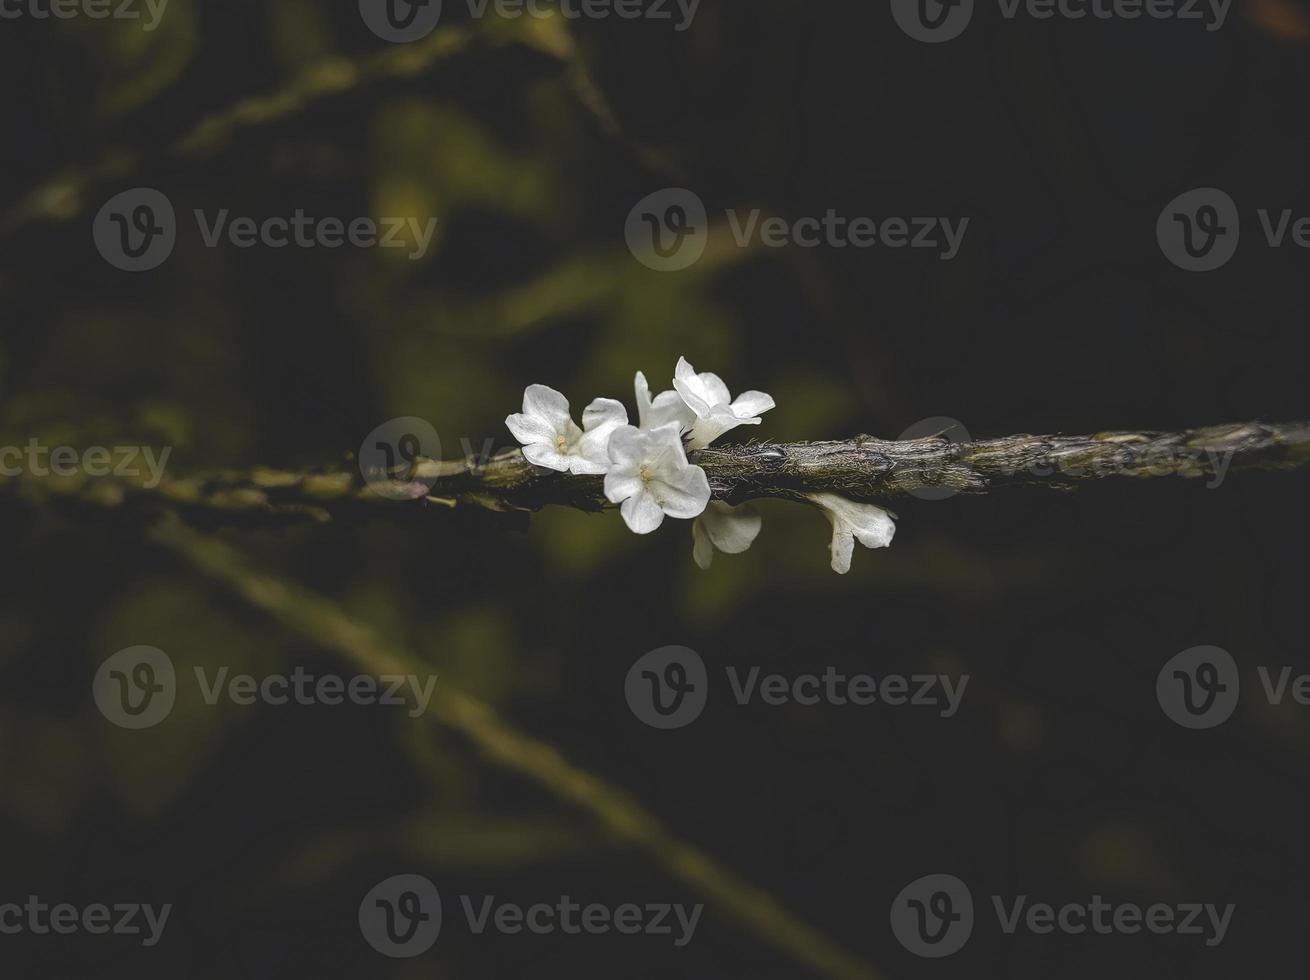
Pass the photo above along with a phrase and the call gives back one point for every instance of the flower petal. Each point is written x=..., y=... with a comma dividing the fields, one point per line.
x=841, y=547
x=528, y=429
x=604, y=412
x=619, y=487
x=720, y=420
x=547, y=404
x=690, y=387
x=544, y=454
x=702, y=550
x=731, y=529
x=641, y=513
x=642, y=390
x=715, y=391
x=750, y=404
x=683, y=494
x=627, y=446
x=870, y=524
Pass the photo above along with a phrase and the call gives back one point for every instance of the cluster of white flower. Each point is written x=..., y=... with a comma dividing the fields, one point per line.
x=647, y=470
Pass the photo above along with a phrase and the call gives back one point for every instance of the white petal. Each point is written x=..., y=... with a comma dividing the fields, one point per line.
x=689, y=386
x=731, y=529
x=543, y=454
x=581, y=464
x=702, y=550
x=619, y=487
x=547, y=404
x=604, y=412
x=683, y=494
x=715, y=391
x=642, y=390
x=601, y=419
x=750, y=404
x=668, y=407
x=842, y=547
x=664, y=447
x=720, y=420
x=528, y=429
x=641, y=513
x=871, y=525
x=627, y=447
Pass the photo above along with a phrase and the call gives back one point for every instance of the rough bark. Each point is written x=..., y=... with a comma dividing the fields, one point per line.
x=863, y=468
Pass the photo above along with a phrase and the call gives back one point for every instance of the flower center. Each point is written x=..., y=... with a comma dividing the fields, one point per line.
x=561, y=443
x=645, y=473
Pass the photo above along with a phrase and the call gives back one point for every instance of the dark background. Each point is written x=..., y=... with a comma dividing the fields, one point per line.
x=1060, y=777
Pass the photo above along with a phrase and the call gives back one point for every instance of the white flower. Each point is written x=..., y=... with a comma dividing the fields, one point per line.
x=708, y=397
x=730, y=529
x=551, y=438
x=667, y=407
x=650, y=477
x=871, y=525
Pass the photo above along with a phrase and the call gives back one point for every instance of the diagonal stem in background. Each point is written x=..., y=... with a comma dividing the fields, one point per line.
x=324, y=623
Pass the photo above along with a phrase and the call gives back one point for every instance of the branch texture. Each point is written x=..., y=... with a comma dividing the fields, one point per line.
x=864, y=468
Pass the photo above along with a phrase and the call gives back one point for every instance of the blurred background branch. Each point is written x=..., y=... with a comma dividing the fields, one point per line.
x=622, y=817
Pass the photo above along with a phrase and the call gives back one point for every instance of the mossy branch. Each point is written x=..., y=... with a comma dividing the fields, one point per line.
x=862, y=468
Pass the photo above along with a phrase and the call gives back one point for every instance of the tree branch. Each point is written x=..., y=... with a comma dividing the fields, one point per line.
x=862, y=468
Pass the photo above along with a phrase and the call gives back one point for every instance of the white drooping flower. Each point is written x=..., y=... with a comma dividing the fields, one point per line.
x=729, y=529
x=551, y=438
x=715, y=410
x=666, y=407
x=649, y=477
x=872, y=526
